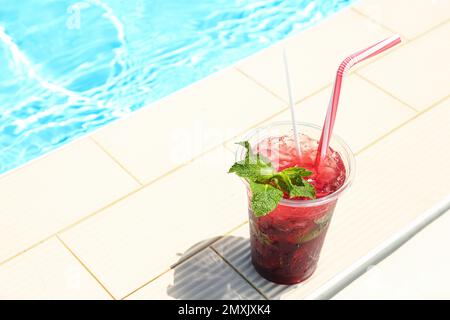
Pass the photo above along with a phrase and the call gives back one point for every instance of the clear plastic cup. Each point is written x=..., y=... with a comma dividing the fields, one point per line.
x=286, y=243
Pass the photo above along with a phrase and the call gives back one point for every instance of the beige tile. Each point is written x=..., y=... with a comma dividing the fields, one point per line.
x=388, y=193
x=314, y=55
x=55, y=191
x=417, y=270
x=138, y=238
x=48, y=271
x=365, y=113
x=203, y=276
x=409, y=18
x=158, y=138
x=417, y=73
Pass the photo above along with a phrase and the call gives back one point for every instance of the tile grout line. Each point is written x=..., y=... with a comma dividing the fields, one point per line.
x=146, y=283
x=255, y=126
x=420, y=35
x=362, y=14
x=240, y=274
x=226, y=146
x=316, y=91
x=85, y=267
x=95, y=212
x=115, y=160
x=414, y=117
x=176, y=264
x=242, y=72
x=408, y=40
x=386, y=92
x=34, y=245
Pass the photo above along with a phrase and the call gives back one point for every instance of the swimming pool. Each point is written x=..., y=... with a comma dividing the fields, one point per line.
x=68, y=67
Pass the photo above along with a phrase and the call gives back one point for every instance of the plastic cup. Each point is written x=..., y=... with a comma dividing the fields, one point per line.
x=286, y=243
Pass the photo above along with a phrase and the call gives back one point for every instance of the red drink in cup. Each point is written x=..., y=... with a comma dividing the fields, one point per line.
x=286, y=242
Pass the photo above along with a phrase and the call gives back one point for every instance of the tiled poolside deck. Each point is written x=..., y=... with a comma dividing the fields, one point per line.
x=144, y=209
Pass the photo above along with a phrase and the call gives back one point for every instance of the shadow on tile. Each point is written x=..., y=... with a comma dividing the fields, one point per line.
x=236, y=250
x=207, y=276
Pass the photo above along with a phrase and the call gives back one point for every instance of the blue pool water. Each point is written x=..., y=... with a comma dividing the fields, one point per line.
x=68, y=67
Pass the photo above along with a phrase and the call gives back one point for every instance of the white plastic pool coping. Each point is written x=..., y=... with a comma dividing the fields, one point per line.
x=342, y=280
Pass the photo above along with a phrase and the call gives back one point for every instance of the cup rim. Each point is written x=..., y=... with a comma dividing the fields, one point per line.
x=313, y=202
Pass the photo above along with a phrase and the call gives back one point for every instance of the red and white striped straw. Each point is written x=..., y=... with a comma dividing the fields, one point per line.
x=344, y=67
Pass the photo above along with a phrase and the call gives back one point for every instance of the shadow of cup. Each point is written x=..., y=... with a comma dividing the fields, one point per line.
x=206, y=275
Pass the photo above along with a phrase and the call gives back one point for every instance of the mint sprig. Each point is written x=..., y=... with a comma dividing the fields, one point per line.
x=267, y=185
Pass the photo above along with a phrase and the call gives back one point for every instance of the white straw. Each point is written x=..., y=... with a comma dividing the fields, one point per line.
x=291, y=103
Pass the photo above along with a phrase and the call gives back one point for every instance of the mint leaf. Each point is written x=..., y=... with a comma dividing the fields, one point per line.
x=295, y=186
x=310, y=189
x=297, y=171
x=265, y=198
x=283, y=181
x=306, y=191
x=251, y=157
x=296, y=175
x=267, y=185
x=252, y=171
x=253, y=166
x=249, y=151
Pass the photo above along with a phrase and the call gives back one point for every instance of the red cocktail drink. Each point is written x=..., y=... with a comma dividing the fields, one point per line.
x=286, y=243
